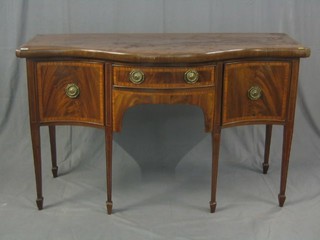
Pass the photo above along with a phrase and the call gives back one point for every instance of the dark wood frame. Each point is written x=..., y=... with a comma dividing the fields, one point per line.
x=117, y=99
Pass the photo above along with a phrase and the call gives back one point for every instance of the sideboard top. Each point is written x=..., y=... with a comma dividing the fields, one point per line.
x=163, y=47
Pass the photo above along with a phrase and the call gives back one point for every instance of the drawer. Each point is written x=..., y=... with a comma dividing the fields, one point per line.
x=255, y=91
x=163, y=77
x=71, y=91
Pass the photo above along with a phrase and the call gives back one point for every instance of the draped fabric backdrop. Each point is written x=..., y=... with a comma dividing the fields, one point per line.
x=162, y=157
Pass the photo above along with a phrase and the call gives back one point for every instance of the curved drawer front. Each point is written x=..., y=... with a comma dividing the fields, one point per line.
x=255, y=91
x=163, y=77
x=71, y=91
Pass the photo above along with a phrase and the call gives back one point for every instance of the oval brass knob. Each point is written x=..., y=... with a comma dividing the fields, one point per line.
x=254, y=93
x=72, y=90
x=136, y=76
x=191, y=76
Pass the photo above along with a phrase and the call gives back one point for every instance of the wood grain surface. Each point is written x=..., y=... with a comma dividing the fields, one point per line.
x=55, y=106
x=124, y=99
x=273, y=77
x=163, y=47
x=163, y=77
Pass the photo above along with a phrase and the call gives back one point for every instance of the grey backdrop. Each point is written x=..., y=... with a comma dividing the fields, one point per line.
x=162, y=157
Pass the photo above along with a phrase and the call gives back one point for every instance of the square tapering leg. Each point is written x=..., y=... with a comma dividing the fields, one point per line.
x=108, y=139
x=215, y=160
x=265, y=165
x=35, y=137
x=52, y=134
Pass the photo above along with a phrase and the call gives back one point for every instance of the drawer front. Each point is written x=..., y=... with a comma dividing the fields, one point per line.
x=163, y=77
x=255, y=91
x=71, y=91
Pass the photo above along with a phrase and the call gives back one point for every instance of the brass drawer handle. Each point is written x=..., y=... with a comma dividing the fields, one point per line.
x=136, y=76
x=72, y=90
x=254, y=93
x=191, y=76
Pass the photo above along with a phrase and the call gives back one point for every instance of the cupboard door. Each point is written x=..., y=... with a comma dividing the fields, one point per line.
x=71, y=91
x=255, y=91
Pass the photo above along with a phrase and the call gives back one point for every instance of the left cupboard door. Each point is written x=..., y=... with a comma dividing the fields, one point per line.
x=70, y=92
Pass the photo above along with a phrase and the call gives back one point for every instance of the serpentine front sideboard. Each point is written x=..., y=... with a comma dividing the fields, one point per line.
x=92, y=79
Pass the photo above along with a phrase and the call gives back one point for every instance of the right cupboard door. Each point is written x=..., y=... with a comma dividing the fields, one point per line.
x=255, y=91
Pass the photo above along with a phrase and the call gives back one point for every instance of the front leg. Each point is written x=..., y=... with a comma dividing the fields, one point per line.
x=108, y=139
x=265, y=164
x=287, y=139
x=52, y=134
x=35, y=137
x=215, y=159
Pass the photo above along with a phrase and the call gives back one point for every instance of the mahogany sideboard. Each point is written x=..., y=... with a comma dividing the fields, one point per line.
x=92, y=79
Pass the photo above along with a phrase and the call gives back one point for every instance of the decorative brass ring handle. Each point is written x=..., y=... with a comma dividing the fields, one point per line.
x=72, y=90
x=136, y=76
x=254, y=93
x=191, y=76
